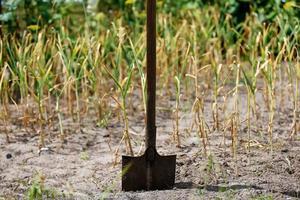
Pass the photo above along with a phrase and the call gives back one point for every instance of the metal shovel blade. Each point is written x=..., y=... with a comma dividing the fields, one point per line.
x=138, y=173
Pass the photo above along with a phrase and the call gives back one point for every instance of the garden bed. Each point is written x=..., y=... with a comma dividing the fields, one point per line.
x=84, y=166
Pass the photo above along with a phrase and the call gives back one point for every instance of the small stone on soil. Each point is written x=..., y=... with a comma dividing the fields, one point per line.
x=8, y=156
x=284, y=150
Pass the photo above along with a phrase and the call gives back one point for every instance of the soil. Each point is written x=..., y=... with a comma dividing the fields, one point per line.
x=83, y=167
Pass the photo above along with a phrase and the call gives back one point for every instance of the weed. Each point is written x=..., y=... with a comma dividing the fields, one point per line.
x=37, y=190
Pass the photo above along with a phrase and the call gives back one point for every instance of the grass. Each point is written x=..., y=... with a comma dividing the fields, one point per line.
x=197, y=56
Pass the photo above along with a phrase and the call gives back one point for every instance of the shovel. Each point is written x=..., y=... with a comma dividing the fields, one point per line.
x=150, y=171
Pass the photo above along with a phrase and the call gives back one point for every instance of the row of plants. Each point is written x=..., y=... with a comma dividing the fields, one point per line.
x=32, y=14
x=47, y=68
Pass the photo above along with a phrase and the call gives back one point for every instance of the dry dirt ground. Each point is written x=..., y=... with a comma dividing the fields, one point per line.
x=83, y=167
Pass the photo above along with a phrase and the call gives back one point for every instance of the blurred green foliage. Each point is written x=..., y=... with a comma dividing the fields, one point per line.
x=21, y=14
x=266, y=9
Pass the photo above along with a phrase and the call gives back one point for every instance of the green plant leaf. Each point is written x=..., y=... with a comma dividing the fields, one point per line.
x=114, y=79
x=128, y=83
x=248, y=82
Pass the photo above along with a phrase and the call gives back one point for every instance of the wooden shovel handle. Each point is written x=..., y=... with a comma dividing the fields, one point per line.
x=151, y=73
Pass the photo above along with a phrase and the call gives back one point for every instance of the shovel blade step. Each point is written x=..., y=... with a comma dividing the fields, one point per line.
x=140, y=174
